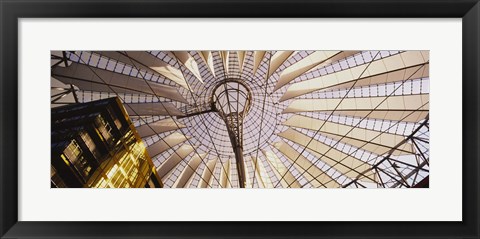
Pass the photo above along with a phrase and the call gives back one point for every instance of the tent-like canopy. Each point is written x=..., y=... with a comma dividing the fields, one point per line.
x=315, y=119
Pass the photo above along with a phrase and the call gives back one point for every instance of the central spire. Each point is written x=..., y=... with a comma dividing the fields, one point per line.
x=232, y=100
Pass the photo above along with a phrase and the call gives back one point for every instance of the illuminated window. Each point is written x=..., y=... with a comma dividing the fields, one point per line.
x=90, y=144
x=74, y=154
x=105, y=129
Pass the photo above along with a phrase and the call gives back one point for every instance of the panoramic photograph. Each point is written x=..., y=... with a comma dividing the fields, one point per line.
x=232, y=119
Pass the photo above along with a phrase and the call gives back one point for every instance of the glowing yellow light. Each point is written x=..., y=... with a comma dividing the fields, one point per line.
x=112, y=171
x=99, y=135
x=65, y=159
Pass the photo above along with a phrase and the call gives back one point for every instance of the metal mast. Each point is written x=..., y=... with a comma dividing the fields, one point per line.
x=232, y=100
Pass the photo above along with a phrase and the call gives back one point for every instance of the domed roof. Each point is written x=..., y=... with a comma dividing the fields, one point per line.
x=313, y=119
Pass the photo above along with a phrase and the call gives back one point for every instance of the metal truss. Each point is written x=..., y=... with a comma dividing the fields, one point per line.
x=390, y=171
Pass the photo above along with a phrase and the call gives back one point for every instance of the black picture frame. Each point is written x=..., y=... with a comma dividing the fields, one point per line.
x=12, y=10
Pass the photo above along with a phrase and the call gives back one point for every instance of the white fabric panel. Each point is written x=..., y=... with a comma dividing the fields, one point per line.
x=158, y=127
x=241, y=59
x=92, y=79
x=57, y=53
x=188, y=171
x=167, y=143
x=248, y=172
x=225, y=61
x=370, y=140
x=383, y=107
x=302, y=66
x=257, y=59
x=57, y=87
x=207, y=173
x=316, y=177
x=159, y=66
x=414, y=72
x=288, y=181
x=154, y=108
x=340, y=56
x=208, y=59
x=174, y=159
x=190, y=63
x=54, y=83
x=403, y=66
x=225, y=175
x=261, y=176
x=149, y=62
x=122, y=57
x=347, y=165
x=258, y=178
x=67, y=98
x=277, y=60
x=262, y=172
x=406, y=115
x=214, y=173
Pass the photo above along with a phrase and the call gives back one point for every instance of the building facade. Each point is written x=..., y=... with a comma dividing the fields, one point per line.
x=95, y=145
